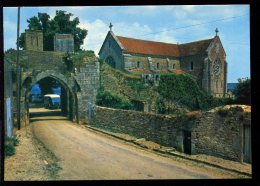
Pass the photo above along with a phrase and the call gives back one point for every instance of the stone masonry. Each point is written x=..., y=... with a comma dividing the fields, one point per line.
x=211, y=133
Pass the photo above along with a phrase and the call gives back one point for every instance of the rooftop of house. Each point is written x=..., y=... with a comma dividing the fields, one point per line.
x=139, y=46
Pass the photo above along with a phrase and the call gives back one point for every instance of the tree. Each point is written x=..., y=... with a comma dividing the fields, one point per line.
x=61, y=23
x=243, y=91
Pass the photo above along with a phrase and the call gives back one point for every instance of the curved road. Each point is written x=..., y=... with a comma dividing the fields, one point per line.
x=86, y=155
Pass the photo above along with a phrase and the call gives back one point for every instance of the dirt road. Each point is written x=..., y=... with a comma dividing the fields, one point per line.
x=86, y=155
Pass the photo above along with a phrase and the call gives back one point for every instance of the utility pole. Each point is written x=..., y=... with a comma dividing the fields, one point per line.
x=18, y=73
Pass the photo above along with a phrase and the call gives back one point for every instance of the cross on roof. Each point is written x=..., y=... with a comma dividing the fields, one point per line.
x=216, y=31
x=110, y=26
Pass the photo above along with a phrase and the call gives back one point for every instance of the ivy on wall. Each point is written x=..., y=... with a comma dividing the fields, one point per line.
x=108, y=99
x=183, y=89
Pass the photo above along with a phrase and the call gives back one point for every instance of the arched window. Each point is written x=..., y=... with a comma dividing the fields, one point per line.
x=191, y=65
x=138, y=65
x=173, y=66
x=111, y=61
x=109, y=44
x=158, y=65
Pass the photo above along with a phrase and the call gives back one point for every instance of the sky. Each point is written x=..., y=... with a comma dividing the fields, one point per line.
x=163, y=23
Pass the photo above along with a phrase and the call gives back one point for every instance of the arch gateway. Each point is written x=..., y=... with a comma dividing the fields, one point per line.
x=79, y=86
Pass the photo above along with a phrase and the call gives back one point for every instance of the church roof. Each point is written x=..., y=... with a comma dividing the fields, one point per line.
x=193, y=48
x=138, y=46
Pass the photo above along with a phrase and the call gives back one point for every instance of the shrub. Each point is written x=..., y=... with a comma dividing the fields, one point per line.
x=243, y=91
x=10, y=144
x=107, y=99
x=223, y=112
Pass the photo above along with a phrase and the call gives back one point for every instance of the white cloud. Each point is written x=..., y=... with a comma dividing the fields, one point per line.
x=97, y=31
x=188, y=7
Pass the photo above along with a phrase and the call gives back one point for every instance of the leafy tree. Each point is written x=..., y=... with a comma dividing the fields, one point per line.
x=243, y=91
x=61, y=23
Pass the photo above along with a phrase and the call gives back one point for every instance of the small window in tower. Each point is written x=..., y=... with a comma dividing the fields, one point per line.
x=31, y=40
x=158, y=65
x=37, y=40
x=217, y=84
x=138, y=64
x=191, y=65
x=109, y=44
x=173, y=66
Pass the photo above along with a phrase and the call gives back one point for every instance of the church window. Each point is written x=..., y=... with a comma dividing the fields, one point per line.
x=138, y=65
x=37, y=41
x=109, y=44
x=158, y=65
x=32, y=41
x=217, y=84
x=191, y=65
x=173, y=66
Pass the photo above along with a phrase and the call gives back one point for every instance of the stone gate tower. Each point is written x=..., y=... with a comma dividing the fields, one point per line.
x=34, y=40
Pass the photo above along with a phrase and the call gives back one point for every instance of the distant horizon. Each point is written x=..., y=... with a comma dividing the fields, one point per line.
x=170, y=24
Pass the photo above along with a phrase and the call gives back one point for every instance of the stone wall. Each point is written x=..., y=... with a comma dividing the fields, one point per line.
x=220, y=133
x=43, y=60
x=217, y=132
x=162, y=129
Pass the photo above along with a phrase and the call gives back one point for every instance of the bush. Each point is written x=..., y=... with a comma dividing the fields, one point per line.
x=10, y=144
x=243, y=91
x=107, y=99
x=184, y=90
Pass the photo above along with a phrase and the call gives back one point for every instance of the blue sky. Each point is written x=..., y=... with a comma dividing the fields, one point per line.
x=172, y=24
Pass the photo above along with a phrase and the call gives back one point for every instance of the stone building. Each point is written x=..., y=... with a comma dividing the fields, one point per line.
x=34, y=40
x=205, y=60
x=64, y=43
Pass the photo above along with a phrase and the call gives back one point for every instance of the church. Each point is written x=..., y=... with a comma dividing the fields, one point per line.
x=205, y=60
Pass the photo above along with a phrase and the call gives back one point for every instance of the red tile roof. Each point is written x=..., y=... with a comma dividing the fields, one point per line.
x=138, y=46
x=193, y=48
x=175, y=71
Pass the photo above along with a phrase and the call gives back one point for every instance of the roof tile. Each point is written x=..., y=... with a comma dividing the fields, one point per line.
x=138, y=46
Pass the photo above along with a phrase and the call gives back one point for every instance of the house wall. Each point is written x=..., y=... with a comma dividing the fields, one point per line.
x=218, y=82
x=114, y=51
x=197, y=71
x=165, y=62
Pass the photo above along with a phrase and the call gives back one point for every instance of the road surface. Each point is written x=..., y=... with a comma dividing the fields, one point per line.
x=87, y=155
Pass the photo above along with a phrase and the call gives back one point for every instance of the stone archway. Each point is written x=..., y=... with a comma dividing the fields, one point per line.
x=71, y=90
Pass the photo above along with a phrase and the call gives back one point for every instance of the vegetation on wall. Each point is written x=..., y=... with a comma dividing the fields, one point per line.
x=11, y=55
x=108, y=99
x=61, y=23
x=183, y=90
